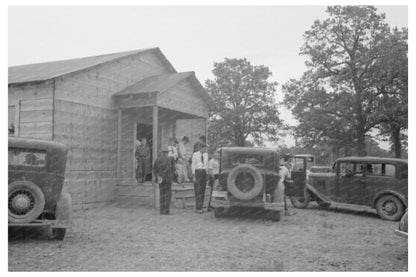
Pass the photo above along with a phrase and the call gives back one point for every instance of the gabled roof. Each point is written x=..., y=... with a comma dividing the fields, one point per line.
x=161, y=83
x=50, y=70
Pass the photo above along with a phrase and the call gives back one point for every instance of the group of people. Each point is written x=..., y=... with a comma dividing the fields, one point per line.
x=174, y=163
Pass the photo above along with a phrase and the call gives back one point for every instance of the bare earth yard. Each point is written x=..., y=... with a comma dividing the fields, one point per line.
x=115, y=238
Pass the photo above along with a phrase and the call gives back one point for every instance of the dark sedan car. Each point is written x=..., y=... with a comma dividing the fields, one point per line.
x=372, y=182
x=36, y=177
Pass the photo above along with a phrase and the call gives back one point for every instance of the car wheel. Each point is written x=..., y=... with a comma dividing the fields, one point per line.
x=218, y=212
x=245, y=182
x=390, y=207
x=273, y=216
x=26, y=201
x=301, y=202
x=58, y=233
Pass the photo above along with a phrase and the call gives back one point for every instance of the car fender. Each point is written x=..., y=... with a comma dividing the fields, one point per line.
x=63, y=211
x=399, y=195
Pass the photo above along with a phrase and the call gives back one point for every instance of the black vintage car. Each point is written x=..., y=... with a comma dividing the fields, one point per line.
x=248, y=178
x=36, y=177
x=363, y=183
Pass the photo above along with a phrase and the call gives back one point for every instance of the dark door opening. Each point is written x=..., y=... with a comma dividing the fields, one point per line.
x=145, y=131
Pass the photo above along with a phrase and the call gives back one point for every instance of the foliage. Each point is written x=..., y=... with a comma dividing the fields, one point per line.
x=337, y=101
x=246, y=111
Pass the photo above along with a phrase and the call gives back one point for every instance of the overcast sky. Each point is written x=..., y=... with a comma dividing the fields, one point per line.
x=192, y=38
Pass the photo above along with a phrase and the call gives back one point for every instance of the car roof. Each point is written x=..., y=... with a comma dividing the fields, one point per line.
x=372, y=159
x=249, y=149
x=36, y=144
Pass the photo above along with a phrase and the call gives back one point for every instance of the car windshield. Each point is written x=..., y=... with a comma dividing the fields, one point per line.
x=27, y=157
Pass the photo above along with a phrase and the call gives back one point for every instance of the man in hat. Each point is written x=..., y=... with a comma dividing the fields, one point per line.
x=164, y=171
x=199, y=171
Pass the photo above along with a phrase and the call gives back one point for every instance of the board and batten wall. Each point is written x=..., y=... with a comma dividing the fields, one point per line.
x=86, y=119
x=33, y=108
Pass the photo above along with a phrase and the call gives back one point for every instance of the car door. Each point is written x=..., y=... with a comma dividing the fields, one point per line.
x=379, y=177
x=296, y=186
x=351, y=183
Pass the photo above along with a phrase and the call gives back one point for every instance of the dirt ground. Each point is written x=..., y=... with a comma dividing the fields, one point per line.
x=115, y=238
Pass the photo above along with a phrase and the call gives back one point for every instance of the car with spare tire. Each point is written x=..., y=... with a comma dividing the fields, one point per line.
x=36, y=173
x=248, y=178
x=360, y=183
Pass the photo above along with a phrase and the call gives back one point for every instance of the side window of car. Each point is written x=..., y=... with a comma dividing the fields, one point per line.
x=389, y=170
x=26, y=157
x=298, y=164
x=351, y=168
x=374, y=169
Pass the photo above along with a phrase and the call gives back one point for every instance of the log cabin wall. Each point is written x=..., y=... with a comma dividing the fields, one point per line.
x=86, y=120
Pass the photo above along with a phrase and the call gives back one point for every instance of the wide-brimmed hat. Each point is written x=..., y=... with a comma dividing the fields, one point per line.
x=164, y=148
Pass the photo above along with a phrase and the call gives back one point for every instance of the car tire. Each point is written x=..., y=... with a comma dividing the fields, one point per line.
x=390, y=207
x=26, y=201
x=255, y=190
x=219, y=212
x=301, y=202
x=63, y=210
x=58, y=233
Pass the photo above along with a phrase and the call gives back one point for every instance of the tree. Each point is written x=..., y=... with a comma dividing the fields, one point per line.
x=346, y=57
x=246, y=111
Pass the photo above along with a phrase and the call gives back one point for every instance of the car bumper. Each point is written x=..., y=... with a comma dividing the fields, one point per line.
x=225, y=203
x=401, y=233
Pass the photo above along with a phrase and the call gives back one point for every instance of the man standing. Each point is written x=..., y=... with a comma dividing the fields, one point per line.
x=164, y=169
x=284, y=174
x=199, y=170
x=213, y=173
x=183, y=160
x=143, y=161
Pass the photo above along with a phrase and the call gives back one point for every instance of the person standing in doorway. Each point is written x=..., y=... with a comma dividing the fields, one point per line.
x=183, y=160
x=143, y=161
x=213, y=173
x=199, y=170
x=164, y=171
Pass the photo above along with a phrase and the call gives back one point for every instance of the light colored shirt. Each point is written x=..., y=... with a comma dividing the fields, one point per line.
x=173, y=152
x=182, y=151
x=199, y=161
x=214, y=166
x=284, y=174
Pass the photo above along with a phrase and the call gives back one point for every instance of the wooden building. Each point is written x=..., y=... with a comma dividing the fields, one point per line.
x=98, y=106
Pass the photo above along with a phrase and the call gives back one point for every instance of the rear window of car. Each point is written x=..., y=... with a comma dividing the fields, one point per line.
x=27, y=157
x=253, y=159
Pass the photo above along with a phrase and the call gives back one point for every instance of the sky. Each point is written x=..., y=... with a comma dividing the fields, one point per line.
x=192, y=38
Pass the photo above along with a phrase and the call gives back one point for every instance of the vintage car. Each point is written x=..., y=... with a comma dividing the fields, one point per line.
x=363, y=183
x=403, y=229
x=248, y=178
x=36, y=177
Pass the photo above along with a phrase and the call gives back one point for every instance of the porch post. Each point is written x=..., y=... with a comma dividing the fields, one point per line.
x=155, y=152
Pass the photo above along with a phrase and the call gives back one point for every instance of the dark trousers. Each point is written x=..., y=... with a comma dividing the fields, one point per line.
x=165, y=190
x=199, y=187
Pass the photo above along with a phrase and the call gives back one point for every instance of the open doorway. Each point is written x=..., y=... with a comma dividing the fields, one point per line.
x=143, y=165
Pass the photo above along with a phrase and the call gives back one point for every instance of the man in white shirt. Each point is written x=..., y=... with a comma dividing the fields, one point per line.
x=284, y=174
x=199, y=170
x=213, y=173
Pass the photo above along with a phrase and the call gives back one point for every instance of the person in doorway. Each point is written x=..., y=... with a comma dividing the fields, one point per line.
x=202, y=141
x=173, y=151
x=143, y=161
x=164, y=171
x=199, y=171
x=213, y=173
x=183, y=159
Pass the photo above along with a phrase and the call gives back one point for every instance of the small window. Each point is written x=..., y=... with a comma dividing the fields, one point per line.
x=351, y=168
x=11, y=120
x=298, y=164
x=253, y=159
x=310, y=159
x=390, y=170
x=26, y=157
x=374, y=169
